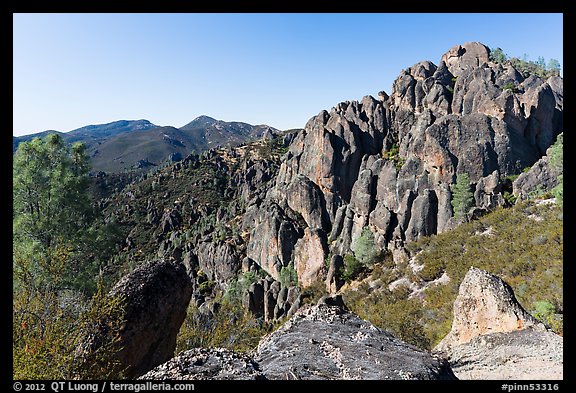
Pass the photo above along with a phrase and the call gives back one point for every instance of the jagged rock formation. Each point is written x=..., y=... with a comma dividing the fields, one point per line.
x=270, y=300
x=493, y=337
x=318, y=342
x=303, y=199
x=156, y=296
x=389, y=164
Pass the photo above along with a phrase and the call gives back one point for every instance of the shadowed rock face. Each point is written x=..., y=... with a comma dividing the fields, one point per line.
x=325, y=342
x=493, y=337
x=156, y=296
x=541, y=177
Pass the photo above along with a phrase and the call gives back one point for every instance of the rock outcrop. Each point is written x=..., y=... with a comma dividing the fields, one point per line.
x=207, y=364
x=319, y=342
x=485, y=304
x=390, y=164
x=493, y=337
x=155, y=296
x=541, y=177
x=525, y=354
x=326, y=342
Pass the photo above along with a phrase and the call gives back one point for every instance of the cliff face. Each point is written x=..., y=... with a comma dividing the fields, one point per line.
x=385, y=166
x=389, y=164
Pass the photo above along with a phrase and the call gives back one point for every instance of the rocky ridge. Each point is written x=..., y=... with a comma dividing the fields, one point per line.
x=301, y=200
x=390, y=164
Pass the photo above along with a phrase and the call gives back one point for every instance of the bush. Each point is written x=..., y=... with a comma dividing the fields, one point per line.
x=231, y=326
x=47, y=331
x=546, y=312
x=288, y=276
x=510, y=86
x=352, y=268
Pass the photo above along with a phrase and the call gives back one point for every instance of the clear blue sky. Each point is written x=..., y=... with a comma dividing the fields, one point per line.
x=72, y=70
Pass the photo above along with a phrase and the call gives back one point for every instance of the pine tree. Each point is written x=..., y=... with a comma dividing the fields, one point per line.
x=462, y=196
x=51, y=205
x=366, y=251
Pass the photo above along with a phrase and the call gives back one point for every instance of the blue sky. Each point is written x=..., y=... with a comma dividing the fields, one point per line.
x=72, y=70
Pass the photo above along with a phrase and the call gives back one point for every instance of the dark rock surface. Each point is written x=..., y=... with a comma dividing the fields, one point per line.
x=156, y=297
x=541, y=177
x=325, y=342
x=207, y=364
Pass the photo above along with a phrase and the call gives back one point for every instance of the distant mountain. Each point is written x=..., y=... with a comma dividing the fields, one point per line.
x=139, y=144
x=92, y=133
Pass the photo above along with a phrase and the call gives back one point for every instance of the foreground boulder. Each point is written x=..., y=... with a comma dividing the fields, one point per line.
x=493, y=337
x=485, y=304
x=519, y=355
x=319, y=342
x=156, y=296
x=326, y=342
x=206, y=364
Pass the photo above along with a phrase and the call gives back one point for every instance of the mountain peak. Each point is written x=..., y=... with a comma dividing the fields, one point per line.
x=201, y=121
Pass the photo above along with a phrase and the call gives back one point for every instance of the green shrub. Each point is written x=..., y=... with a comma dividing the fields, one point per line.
x=352, y=268
x=288, y=276
x=510, y=86
x=546, y=312
x=232, y=327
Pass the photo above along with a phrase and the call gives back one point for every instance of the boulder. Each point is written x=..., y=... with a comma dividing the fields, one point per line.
x=207, y=364
x=156, y=296
x=493, y=337
x=525, y=354
x=326, y=342
x=485, y=304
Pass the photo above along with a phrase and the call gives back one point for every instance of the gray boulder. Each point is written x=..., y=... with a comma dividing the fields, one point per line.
x=207, y=364
x=326, y=342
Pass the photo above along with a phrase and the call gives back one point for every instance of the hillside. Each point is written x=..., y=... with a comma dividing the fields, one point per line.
x=126, y=145
x=380, y=206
